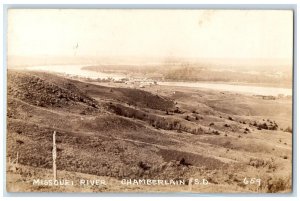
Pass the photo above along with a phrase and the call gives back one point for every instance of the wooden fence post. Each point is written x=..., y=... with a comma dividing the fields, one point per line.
x=190, y=184
x=54, y=156
x=17, y=160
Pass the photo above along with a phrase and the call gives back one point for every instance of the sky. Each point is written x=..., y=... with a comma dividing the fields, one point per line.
x=235, y=34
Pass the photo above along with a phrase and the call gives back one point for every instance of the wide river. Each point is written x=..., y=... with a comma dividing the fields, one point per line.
x=75, y=70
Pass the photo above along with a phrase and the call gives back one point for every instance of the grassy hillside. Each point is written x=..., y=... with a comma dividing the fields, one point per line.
x=117, y=132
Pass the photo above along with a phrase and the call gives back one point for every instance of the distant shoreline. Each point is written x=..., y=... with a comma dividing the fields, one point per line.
x=79, y=67
x=257, y=84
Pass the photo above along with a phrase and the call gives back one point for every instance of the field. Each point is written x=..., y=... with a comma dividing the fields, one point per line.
x=111, y=131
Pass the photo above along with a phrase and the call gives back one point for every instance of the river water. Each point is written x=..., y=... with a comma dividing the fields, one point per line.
x=75, y=70
x=256, y=90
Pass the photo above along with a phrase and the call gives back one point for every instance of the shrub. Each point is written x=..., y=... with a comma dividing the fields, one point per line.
x=275, y=185
x=187, y=118
x=20, y=141
x=216, y=132
x=289, y=130
x=143, y=165
x=177, y=110
x=267, y=127
x=183, y=162
x=269, y=164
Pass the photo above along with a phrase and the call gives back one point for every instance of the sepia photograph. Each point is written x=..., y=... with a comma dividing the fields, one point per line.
x=149, y=100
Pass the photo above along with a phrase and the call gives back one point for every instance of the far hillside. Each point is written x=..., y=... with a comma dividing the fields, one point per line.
x=279, y=76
